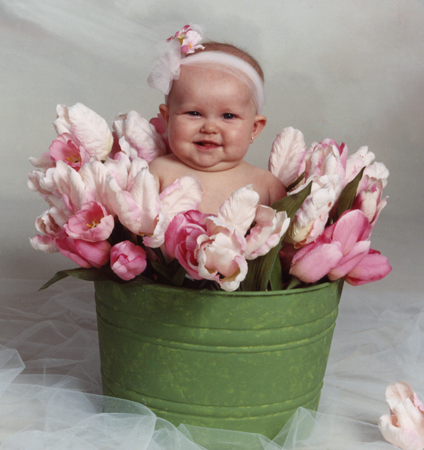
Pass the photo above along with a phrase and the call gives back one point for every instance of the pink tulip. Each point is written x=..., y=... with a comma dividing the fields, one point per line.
x=372, y=267
x=66, y=148
x=127, y=260
x=404, y=427
x=91, y=223
x=342, y=251
x=181, y=239
x=85, y=254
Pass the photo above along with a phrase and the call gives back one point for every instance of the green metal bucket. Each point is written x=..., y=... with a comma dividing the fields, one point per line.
x=233, y=360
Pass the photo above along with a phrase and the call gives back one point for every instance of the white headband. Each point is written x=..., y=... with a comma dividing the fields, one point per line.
x=166, y=68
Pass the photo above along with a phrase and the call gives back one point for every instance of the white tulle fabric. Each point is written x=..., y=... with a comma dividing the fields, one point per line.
x=167, y=69
x=50, y=385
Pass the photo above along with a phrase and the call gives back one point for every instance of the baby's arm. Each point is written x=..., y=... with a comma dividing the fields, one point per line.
x=276, y=189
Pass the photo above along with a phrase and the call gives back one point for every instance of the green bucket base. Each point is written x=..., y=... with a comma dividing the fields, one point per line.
x=237, y=361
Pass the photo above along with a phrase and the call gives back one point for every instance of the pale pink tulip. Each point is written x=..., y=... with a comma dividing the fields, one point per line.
x=220, y=258
x=85, y=254
x=325, y=158
x=71, y=186
x=137, y=209
x=269, y=227
x=287, y=153
x=310, y=220
x=127, y=260
x=66, y=148
x=239, y=210
x=91, y=223
x=138, y=138
x=338, y=252
x=377, y=171
x=43, y=163
x=91, y=130
x=124, y=170
x=404, y=427
x=46, y=223
x=369, y=198
x=184, y=194
x=42, y=182
x=355, y=162
x=44, y=243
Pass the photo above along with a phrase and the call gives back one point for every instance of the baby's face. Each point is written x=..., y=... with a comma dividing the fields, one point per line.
x=211, y=119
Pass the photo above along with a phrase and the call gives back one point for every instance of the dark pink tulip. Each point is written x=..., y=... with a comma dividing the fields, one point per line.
x=127, y=260
x=91, y=223
x=342, y=251
x=66, y=148
x=181, y=239
x=85, y=254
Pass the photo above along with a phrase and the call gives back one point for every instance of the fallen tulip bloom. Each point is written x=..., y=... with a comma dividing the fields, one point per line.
x=404, y=427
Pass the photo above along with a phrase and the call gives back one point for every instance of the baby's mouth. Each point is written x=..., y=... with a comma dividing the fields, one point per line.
x=207, y=144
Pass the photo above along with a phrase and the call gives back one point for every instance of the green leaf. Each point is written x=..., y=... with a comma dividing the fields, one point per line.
x=179, y=276
x=348, y=195
x=295, y=182
x=82, y=274
x=165, y=271
x=275, y=281
x=294, y=283
x=260, y=269
x=174, y=272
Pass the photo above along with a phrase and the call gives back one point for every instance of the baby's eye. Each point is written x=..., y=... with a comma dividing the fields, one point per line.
x=228, y=116
x=193, y=113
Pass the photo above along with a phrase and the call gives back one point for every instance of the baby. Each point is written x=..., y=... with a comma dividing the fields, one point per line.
x=212, y=114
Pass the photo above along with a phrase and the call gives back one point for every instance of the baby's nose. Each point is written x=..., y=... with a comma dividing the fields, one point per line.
x=209, y=126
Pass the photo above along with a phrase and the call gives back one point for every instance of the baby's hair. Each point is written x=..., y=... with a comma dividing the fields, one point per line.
x=232, y=50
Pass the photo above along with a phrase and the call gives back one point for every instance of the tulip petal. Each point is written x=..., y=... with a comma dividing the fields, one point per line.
x=91, y=130
x=311, y=265
x=288, y=151
x=405, y=440
x=350, y=228
x=184, y=194
x=143, y=136
x=350, y=260
x=372, y=267
x=239, y=210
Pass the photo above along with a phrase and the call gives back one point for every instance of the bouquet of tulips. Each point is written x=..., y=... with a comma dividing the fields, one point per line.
x=105, y=212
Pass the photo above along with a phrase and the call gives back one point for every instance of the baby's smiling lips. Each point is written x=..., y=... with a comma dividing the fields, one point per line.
x=207, y=144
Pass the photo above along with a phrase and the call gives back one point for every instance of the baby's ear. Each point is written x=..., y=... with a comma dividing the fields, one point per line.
x=164, y=111
x=258, y=126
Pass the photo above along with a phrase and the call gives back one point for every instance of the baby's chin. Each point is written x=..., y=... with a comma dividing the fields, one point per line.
x=221, y=166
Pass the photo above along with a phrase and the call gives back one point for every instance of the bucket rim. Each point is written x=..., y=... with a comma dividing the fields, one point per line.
x=207, y=292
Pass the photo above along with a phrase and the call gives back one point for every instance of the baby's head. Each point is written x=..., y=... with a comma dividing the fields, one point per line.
x=212, y=110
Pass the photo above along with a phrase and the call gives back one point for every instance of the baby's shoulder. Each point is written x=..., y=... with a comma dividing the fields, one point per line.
x=257, y=173
x=263, y=179
x=161, y=161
